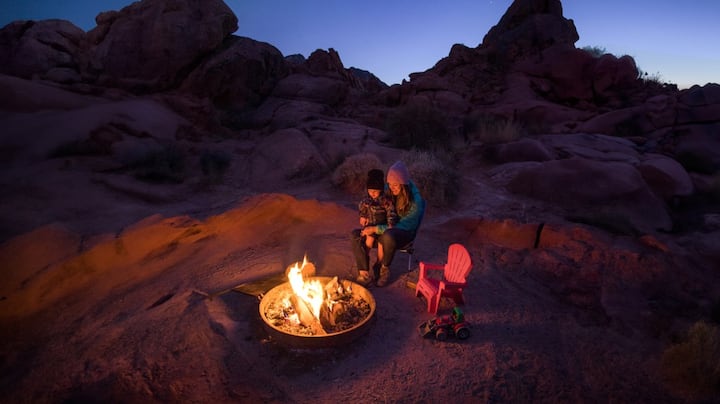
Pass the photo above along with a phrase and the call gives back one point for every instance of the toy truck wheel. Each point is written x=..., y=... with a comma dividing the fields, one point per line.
x=441, y=335
x=462, y=333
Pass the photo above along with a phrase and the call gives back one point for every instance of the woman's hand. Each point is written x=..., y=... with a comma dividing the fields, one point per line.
x=369, y=231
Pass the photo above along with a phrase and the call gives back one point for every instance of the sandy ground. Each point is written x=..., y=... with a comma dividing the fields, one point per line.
x=123, y=317
x=105, y=284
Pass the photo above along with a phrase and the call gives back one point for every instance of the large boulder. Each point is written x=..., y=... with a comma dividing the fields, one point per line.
x=573, y=76
x=240, y=75
x=612, y=74
x=560, y=74
x=368, y=81
x=20, y=95
x=285, y=155
x=665, y=176
x=607, y=194
x=628, y=122
x=320, y=89
x=328, y=63
x=49, y=49
x=151, y=45
x=323, y=79
x=528, y=27
x=277, y=113
x=596, y=147
x=698, y=147
x=95, y=128
x=525, y=149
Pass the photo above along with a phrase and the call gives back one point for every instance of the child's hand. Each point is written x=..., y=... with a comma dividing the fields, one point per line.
x=363, y=221
x=369, y=231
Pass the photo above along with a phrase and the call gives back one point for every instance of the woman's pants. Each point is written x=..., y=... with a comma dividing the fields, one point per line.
x=391, y=240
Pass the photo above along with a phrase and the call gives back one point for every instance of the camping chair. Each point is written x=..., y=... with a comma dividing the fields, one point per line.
x=453, y=281
x=409, y=249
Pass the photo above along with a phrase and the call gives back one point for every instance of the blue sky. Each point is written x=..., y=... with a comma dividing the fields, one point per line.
x=679, y=41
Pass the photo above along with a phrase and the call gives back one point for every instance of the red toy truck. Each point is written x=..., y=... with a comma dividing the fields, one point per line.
x=442, y=326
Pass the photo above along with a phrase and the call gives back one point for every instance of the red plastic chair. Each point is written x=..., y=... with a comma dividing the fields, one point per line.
x=454, y=274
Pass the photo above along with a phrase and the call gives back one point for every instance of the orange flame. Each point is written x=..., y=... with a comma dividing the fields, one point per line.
x=311, y=292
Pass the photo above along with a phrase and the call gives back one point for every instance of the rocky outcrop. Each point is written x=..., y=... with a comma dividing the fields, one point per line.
x=529, y=26
x=611, y=74
x=588, y=253
x=240, y=75
x=612, y=195
x=49, y=50
x=599, y=179
x=666, y=177
x=526, y=71
x=152, y=45
x=284, y=155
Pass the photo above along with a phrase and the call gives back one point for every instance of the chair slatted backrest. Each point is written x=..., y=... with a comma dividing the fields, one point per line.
x=458, y=264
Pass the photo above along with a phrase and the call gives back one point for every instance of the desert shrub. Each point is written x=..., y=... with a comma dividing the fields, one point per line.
x=158, y=165
x=418, y=126
x=351, y=174
x=650, y=77
x=80, y=147
x=698, y=162
x=694, y=362
x=214, y=163
x=656, y=78
x=715, y=311
x=628, y=128
x=491, y=129
x=595, y=51
x=714, y=189
x=437, y=180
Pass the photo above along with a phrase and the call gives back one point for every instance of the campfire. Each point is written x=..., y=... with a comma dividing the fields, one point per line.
x=310, y=310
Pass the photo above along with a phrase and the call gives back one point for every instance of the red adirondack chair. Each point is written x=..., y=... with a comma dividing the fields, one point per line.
x=453, y=281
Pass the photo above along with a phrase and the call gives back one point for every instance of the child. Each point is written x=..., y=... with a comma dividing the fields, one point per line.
x=376, y=208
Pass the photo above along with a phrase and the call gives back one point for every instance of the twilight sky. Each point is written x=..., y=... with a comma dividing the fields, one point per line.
x=679, y=41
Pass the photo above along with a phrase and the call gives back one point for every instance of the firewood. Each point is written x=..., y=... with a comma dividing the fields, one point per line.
x=306, y=316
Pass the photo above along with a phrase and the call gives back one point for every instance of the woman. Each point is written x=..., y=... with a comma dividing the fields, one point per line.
x=410, y=208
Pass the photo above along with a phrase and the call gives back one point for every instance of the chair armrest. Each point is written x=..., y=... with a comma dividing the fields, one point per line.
x=451, y=285
x=424, y=266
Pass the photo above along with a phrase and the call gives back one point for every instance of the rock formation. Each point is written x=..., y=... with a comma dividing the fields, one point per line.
x=573, y=180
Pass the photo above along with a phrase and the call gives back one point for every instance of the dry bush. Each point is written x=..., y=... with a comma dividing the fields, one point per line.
x=81, y=147
x=698, y=162
x=715, y=187
x=436, y=180
x=595, y=51
x=351, y=174
x=489, y=129
x=418, y=126
x=162, y=165
x=214, y=164
x=693, y=364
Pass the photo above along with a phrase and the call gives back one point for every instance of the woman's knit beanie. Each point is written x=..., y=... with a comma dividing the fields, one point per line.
x=376, y=179
x=398, y=174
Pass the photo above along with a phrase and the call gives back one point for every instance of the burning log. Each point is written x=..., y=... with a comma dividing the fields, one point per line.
x=330, y=316
x=334, y=290
x=306, y=316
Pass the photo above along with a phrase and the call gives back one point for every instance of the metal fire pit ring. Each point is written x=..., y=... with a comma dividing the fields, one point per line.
x=294, y=340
